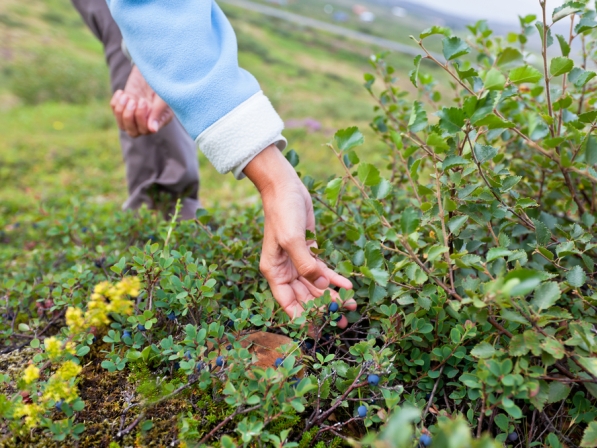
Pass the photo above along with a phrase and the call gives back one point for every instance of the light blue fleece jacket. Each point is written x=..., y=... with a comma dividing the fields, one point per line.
x=187, y=52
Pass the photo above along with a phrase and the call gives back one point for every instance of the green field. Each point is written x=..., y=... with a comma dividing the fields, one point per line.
x=60, y=142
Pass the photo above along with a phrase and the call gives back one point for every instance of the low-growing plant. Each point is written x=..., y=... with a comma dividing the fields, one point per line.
x=471, y=254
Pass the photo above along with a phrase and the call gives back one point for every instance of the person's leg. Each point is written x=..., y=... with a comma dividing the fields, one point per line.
x=161, y=166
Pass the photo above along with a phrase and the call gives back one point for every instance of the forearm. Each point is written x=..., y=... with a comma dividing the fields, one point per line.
x=269, y=170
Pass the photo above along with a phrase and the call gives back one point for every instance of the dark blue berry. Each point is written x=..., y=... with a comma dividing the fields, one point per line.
x=84, y=229
x=278, y=362
x=230, y=323
x=229, y=347
x=58, y=405
x=172, y=316
x=219, y=361
x=126, y=334
x=199, y=367
x=334, y=307
x=425, y=440
x=176, y=365
x=141, y=327
x=187, y=354
x=373, y=379
x=427, y=397
x=362, y=410
x=152, y=238
x=338, y=319
x=308, y=345
x=294, y=381
x=513, y=436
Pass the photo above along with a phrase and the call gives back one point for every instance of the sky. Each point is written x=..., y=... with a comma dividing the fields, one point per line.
x=497, y=10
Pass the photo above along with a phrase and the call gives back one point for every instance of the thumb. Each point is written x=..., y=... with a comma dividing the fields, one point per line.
x=305, y=264
x=160, y=115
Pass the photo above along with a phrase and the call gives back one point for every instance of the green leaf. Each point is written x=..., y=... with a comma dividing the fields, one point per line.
x=369, y=174
x=434, y=30
x=560, y=65
x=483, y=350
x=525, y=74
x=451, y=161
x=451, y=120
x=508, y=56
x=576, y=277
x=292, y=157
x=494, y=80
x=523, y=281
x=589, y=438
x=409, y=221
x=580, y=77
x=566, y=9
x=414, y=74
x=332, y=190
x=483, y=153
x=542, y=233
x=456, y=223
x=564, y=47
x=498, y=252
x=435, y=252
x=418, y=117
x=518, y=346
x=382, y=189
x=494, y=122
x=557, y=392
x=546, y=295
x=348, y=138
x=454, y=47
x=379, y=276
x=591, y=151
x=585, y=24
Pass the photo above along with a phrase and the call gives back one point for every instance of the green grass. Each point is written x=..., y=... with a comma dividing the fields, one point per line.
x=55, y=152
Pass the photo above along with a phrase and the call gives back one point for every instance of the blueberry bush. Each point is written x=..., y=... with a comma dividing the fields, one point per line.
x=471, y=251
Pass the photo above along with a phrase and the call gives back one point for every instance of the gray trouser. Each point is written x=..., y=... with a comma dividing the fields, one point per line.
x=162, y=167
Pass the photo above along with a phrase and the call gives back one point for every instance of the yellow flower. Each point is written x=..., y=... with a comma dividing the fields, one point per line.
x=102, y=288
x=68, y=370
x=59, y=388
x=120, y=306
x=53, y=347
x=130, y=286
x=31, y=412
x=75, y=320
x=30, y=374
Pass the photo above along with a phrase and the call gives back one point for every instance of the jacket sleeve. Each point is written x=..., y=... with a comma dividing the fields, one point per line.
x=187, y=52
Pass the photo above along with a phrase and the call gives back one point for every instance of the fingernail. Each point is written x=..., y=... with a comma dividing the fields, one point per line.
x=142, y=102
x=131, y=105
x=321, y=283
x=155, y=125
x=124, y=99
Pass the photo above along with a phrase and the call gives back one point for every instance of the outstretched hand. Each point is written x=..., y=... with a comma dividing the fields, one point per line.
x=138, y=109
x=292, y=271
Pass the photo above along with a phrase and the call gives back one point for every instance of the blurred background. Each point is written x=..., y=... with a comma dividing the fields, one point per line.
x=59, y=142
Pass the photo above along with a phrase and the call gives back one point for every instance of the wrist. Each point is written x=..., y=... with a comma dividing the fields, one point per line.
x=270, y=170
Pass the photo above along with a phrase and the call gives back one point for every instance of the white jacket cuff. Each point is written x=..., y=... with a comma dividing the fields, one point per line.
x=236, y=138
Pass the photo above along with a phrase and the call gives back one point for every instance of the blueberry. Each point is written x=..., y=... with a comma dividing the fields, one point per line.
x=219, y=361
x=187, y=354
x=425, y=440
x=373, y=379
x=58, y=405
x=199, y=367
x=294, y=381
x=334, y=307
x=84, y=229
x=278, y=362
x=308, y=345
x=427, y=397
x=513, y=436
x=141, y=327
x=126, y=334
x=229, y=347
x=176, y=365
x=152, y=238
x=172, y=316
x=338, y=319
x=362, y=410
x=230, y=323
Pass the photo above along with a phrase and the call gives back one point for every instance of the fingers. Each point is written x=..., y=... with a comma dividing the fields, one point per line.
x=118, y=104
x=128, y=118
x=141, y=114
x=160, y=115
